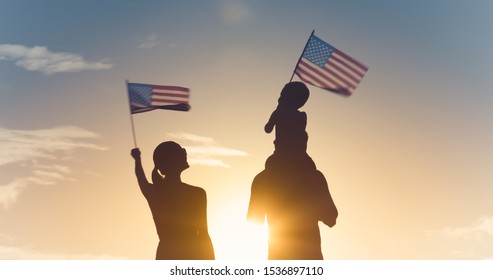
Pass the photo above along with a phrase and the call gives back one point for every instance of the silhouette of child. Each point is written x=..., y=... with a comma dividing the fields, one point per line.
x=179, y=210
x=291, y=137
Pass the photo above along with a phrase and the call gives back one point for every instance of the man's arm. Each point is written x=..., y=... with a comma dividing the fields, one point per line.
x=327, y=208
x=256, y=210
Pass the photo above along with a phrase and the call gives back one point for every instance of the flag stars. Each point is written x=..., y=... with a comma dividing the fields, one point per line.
x=318, y=51
x=140, y=94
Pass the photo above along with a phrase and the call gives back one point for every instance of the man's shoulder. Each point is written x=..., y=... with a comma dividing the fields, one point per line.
x=194, y=189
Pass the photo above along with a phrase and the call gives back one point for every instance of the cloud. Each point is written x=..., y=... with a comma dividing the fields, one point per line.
x=40, y=59
x=26, y=253
x=204, y=150
x=474, y=241
x=49, y=174
x=23, y=145
x=191, y=137
x=149, y=42
x=480, y=230
x=11, y=249
x=26, y=148
x=10, y=191
x=56, y=167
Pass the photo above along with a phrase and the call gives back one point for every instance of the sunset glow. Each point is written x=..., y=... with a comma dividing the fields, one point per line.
x=407, y=157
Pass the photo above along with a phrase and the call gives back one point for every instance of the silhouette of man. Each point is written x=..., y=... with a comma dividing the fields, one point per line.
x=291, y=193
x=293, y=204
x=179, y=210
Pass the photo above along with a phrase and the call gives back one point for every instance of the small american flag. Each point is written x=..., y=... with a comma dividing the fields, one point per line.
x=145, y=97
x=326, y=67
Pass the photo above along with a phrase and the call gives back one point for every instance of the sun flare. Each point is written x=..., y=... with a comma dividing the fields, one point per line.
x=238, y=239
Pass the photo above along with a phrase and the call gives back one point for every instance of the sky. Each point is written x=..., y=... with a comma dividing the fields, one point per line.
x=407, y=156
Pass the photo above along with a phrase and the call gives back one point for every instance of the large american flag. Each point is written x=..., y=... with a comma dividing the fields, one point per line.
x=146, y=97
x=326, y=67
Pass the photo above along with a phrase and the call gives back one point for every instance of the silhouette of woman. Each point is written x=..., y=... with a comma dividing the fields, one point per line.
x=179, y=210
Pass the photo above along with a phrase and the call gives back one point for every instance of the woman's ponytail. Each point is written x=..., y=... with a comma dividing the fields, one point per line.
x=157, y=179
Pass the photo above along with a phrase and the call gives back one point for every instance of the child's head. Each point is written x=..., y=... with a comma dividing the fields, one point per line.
x=294, y=95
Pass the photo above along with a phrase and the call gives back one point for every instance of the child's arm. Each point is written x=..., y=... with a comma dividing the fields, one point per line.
x=271, y=123
x=144, y=185
x=303, y=119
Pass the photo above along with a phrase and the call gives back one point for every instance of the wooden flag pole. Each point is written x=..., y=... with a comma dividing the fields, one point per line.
x=296, y=66
x=131, y=115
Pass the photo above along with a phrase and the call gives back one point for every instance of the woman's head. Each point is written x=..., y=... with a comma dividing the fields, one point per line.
x=170, y=157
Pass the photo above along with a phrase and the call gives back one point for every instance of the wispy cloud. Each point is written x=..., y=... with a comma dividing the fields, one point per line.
x=149, y=42
x=10, y=192
x=26, y=253
x=23, y=145
x=12, y=248
x=480, y=230
x=204, y=150
x=30, y=147
x=39, y=58
x=472, y=241
x=192, y=138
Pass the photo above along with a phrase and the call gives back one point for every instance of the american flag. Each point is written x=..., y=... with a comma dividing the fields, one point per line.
x=326, y=67
x=146, y=97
